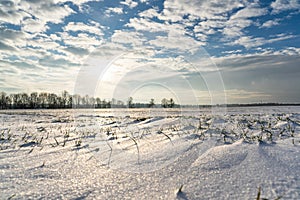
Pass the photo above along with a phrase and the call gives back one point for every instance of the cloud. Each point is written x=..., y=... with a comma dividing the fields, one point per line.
x=126, y=37
x=19, y=64
x=21, y=75
x=239, y=95
x=114, y=10
x=207, y=17
x=6, y=47
x=250, y=12
x=270, y=23
x=149, y=13
x=75, y=2
x=250, y=42
x=234, y=27
x=55, y=61
x=201, y=9
x=82, y=40
x=38, y=79
x=92, y=27
x=33, y=16
x=76, y=51
x=270, y=72
x=46, y=11
x=41, y=42
x=167, y=35
x=284, y=5
x=9, y=12
x=179, y=43
x=232, y=51
x=130, y=3
x=209, y=25
x=33, y=25
x=291, y=51
x=82, y=4
x=32, y=43
x=266, y=59
x=144, y=24
x=10, y=34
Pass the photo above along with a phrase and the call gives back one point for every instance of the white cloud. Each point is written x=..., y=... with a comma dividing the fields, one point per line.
x=39, y=79
x=172, y=36
x=11, y=35
x=94, y=28
x=152, y=12
x=9, y=12
x=236, y=24
x=5, y=47
x=232, y=52
x=54, y=37
x=283, y=5
x=178, y=43
x=30, y=47
x=76, y=2
x=31, y=42
x=211, y=17
x=143, y=24
x=82, y=4
x=270, y=23
x=214, y=16
x=269, y=59
x=125, y=37
x=291, y=51
x=208, y=27
x=82, y=40
x=114, y=10
x=168, y=36
x=234, y=27
x=33, y=16
x=34, y=25
x=129, y=3
x=202, y=37
x=250, y=12
x=46, y=11
x=43, y=42
x=249, y=41
x=280, y=37
x=199, y=8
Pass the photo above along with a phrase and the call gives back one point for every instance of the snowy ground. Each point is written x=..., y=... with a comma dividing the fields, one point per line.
x=150, y=154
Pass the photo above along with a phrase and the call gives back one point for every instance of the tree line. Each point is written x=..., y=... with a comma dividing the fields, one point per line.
x=44, y=100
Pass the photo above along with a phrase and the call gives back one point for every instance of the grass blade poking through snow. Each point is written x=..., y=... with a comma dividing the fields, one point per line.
x=137, y=148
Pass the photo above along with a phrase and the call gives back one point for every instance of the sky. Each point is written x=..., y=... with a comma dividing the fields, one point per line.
x=200, y=51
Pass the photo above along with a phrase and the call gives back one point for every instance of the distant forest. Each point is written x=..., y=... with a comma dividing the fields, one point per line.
x=46, y=100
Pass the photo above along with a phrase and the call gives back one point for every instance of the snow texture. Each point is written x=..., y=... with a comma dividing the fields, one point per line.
x=150, y=153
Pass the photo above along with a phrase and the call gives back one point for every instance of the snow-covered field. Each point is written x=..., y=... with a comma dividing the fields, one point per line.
x=150, y=153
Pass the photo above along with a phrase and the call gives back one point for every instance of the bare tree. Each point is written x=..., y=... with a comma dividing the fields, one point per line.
x=171, y=103
x=130, y=102
x=151, y=103
x=164, y=103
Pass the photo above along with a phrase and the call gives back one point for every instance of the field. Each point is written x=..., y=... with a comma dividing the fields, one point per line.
x=238, y=153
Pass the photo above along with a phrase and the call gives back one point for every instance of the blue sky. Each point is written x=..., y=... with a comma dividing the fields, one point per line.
x=218, y=51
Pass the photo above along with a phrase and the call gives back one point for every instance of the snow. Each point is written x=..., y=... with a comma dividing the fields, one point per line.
x=150, y=153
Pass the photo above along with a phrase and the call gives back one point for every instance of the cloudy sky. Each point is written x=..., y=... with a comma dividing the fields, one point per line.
x=201, y=51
